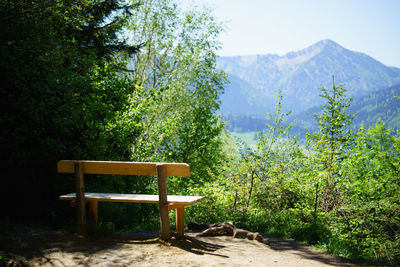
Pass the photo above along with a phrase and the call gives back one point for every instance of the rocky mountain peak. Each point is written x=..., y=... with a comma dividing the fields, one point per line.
x=327, y=43
x=299, y=75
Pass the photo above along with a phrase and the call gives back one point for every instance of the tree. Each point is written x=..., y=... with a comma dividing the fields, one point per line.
x=177, y=67
x=331, y=141
x=62, y=88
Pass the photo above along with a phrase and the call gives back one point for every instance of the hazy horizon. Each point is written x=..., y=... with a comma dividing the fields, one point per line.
x=258, y=27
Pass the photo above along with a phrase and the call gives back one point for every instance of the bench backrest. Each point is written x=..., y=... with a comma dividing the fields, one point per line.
x=123, y=167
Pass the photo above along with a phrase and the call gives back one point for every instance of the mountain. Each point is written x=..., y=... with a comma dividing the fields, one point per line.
x=255, y=80
x=369, y=108
x=382, y=104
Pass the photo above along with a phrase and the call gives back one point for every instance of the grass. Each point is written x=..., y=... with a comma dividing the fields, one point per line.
x=248, y=138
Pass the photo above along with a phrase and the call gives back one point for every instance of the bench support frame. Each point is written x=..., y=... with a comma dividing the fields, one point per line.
x=163, y=201
x=93, y=216
x=161, y=170
x=80, y=197
x=93, y=205
x=180, y=219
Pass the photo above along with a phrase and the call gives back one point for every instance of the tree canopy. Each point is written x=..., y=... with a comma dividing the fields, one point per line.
x=105, y=80
x=62, y=84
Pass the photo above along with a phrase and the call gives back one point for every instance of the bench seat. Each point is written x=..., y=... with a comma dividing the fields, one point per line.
x=135, y=198
x=166, y=202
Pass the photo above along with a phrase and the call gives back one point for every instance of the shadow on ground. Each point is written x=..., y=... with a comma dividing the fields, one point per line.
x=23, y=246
x=196, y=246
x=307, y=252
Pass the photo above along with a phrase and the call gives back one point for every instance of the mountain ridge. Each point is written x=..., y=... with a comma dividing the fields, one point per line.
x=380, y=104
x=299, y=74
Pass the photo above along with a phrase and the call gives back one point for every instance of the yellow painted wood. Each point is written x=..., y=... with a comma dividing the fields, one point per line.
x=175, y=206
x=163, y=201
x=93, y=214
x=173, y=201
x=161, y=170
x=180, y=220
x=124, y=168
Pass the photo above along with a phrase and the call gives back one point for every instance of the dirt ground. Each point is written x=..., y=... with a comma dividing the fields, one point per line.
x=33, y=247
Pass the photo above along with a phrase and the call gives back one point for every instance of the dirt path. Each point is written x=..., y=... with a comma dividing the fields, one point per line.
x=43, y=248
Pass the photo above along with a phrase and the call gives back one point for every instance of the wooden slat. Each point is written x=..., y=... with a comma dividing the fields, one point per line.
x=124, y=168
x=136, y=198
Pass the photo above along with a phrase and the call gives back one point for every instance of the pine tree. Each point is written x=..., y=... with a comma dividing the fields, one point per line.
x=331, y=141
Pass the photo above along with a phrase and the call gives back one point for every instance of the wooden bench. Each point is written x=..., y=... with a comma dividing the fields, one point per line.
x=161, y=170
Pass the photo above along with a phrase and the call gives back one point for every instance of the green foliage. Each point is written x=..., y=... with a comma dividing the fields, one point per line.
x=263, y=181
x=371, y=214
x=177, y=65
x=71, y=88
x=62, y=88
x=275, y=188
x=331, y=143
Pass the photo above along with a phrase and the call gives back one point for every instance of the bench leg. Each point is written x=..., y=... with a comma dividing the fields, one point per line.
x=180, y=220
x=80, y=198
x=93, y=215
x=163, y=202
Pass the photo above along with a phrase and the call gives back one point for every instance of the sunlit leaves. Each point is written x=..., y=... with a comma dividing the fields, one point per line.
x=177, y=68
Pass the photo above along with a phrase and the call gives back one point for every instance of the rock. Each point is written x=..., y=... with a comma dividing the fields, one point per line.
x=225, y=228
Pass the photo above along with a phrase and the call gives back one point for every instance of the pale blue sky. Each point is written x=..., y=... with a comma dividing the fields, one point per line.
x=281, y=26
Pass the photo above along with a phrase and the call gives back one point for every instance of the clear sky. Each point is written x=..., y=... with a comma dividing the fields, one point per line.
x=281, y=26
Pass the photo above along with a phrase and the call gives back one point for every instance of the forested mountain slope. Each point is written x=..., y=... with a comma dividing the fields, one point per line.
x=369, y=108
x=381, y=104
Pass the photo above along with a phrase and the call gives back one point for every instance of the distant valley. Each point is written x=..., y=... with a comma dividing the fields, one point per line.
x=255, y=81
